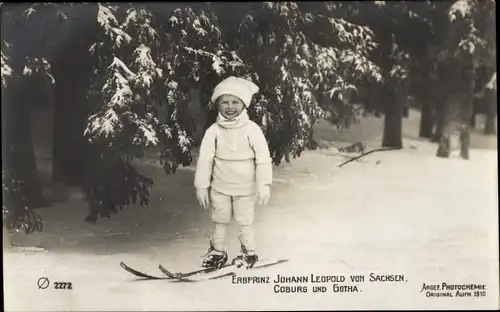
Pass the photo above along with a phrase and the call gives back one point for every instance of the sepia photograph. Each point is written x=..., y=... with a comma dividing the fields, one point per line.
x=243, y=156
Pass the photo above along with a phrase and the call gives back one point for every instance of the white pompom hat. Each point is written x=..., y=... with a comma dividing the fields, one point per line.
x=239, y=87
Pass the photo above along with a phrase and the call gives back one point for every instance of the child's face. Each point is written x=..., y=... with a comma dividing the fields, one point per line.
x=230, y=106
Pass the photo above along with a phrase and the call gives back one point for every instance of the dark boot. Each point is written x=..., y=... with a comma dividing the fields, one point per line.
x=247, y=258
x=214, y=258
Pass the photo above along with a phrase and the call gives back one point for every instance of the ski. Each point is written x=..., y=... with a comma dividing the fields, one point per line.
x=203, y=277
x=269, y=264
x=168, y=274
x=172, y=275
x=141, y=274
x=197, y=271
x=192, y=273
x=188, y=276
x=191, y=276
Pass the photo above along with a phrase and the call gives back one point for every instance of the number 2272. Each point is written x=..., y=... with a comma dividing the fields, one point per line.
x=62, y=285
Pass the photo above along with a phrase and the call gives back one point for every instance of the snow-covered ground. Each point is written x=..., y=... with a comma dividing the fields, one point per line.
x=400, y=212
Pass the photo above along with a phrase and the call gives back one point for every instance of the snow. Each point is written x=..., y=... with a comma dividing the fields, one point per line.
x=151, y=32
x=146, y=80
x=326, y=57
x=218, y=61
x=120, y=36
x=196, y=23
x=492, y=83
x=284, y=73
x=52, y=79
x=174, y=20
x=118, y=94
x=462, y=8
x=102, y=126
x=159, y=72
x=217, y=65
x=272, y=38
x=122, y=95
x=398, y=71
x=92, y=48
x=168, y=132
x=184, y=141
x=362, y=65
x=6, y=72
x=173, y=85
x=360, y=37
x=201, y=32
x=27, y=71
x=148, y=134
x=145, y=66
x=27, y=13
x=105, y=17
x=466, y=45
x=108, y=21
x=131, y=17
x=117, y=63
x=433, y=220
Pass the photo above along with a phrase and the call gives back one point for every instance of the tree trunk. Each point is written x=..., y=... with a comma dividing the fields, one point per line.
x=287, y=154
x=443, y=131
x=474, y=113
x=444, y=145
x=393, y=122
x=491, y=106
x=465, y=141
x=18, y=143
x=72, y=77
x=69, y=124
x=440, y=109
x=312, y=145
x=466, y=102
x=457, y=111
x=210, y=119
x=426, y=119
x=465, y=128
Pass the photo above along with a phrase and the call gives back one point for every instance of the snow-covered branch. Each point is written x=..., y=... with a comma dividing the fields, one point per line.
x=146, y=68
x=221, y=60
x=462, y=9
x=492, y=83
x=107, y=20
x=7, y=71
x=38, y=65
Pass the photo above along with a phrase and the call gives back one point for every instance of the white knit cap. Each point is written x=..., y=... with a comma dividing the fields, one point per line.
x=242, y=88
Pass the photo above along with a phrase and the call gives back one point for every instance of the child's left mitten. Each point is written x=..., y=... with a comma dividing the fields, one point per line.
x=263, y=194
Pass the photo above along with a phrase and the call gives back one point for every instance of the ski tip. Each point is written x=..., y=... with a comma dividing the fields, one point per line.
x=123, y=265
x=161, y=268
x=167, y=272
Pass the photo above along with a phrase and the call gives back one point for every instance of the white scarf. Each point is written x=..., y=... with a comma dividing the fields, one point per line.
x=237, y=122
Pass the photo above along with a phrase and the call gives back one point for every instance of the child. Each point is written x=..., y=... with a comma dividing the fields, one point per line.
x=234, y=169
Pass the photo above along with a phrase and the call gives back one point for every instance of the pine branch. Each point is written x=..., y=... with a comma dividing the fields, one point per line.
x=369, y=152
